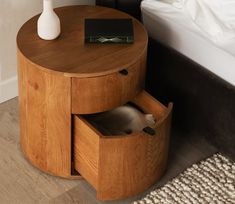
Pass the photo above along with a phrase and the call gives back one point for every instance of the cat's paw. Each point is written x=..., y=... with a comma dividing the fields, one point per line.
x=150, y=119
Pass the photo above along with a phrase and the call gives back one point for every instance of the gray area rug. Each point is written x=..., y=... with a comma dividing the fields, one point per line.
x=211, y=181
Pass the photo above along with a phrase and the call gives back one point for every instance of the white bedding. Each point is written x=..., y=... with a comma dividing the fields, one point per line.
x=175, y=28
x=216, y=18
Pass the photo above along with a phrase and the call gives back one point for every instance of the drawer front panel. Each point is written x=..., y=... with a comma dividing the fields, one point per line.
x=91, y=95
x=135, y=161
x=127, y=164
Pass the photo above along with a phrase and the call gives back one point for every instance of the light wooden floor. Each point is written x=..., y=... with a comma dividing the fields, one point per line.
x=22, y=183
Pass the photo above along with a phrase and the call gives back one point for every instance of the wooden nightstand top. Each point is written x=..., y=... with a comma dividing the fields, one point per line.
x=69, y=55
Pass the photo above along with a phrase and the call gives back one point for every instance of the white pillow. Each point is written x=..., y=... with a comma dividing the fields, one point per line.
x=227, y=8
x=176, y=3
x=214, y=17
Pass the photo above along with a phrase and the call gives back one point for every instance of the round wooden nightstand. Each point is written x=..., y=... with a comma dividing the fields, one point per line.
x=63, y=78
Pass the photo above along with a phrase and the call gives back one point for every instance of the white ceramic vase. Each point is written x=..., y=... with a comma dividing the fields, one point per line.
x=48, y=23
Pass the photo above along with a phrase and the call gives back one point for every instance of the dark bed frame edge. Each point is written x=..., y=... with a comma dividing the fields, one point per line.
x=203, y=102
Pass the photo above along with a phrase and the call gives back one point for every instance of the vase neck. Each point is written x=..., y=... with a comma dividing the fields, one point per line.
x=47, y=5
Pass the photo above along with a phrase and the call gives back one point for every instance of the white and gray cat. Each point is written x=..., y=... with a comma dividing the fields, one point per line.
x=123, y=120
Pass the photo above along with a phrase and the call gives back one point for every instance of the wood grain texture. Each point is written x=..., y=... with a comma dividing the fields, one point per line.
x=185, y=150
x=86, y=151
x=65, y=76
x=127, y=165
x=22, y=183
x=138, y=160
x=45, y=118
x=68, y=55
x=98, y=94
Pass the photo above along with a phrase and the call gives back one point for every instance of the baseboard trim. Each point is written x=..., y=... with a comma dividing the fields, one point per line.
x=8, y=89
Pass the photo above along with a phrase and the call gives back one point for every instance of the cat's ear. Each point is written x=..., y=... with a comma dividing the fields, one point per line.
x=150, y=119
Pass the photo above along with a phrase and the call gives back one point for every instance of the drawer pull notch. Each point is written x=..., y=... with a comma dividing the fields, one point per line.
x=149, y=131
x=124, y=72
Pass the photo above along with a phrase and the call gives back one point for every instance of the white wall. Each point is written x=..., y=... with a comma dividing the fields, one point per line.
x=13, y=13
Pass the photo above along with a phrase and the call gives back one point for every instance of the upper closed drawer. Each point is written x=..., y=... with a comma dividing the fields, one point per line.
x=98, y=94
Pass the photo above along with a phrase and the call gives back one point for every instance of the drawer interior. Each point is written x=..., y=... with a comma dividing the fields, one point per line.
x=135, y=116
x=115, y=164
x=123, y=120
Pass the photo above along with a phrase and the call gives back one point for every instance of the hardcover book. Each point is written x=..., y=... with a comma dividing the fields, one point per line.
x=109, y=31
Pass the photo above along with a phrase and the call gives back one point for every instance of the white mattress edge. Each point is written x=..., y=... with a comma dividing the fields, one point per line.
x=183, y=43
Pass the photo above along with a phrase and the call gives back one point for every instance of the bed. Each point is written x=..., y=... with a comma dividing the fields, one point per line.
x=188, y=68
x=173, y=27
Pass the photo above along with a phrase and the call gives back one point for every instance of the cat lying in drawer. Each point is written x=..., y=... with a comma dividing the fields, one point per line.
x=123, y=120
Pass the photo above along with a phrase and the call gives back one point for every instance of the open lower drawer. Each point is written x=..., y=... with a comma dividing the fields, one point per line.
x=125, y=165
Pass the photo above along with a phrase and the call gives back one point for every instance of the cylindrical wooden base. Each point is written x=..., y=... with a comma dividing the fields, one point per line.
x=58, y=79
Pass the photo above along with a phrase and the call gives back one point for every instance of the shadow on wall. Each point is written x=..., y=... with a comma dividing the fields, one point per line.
x=12, y=15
